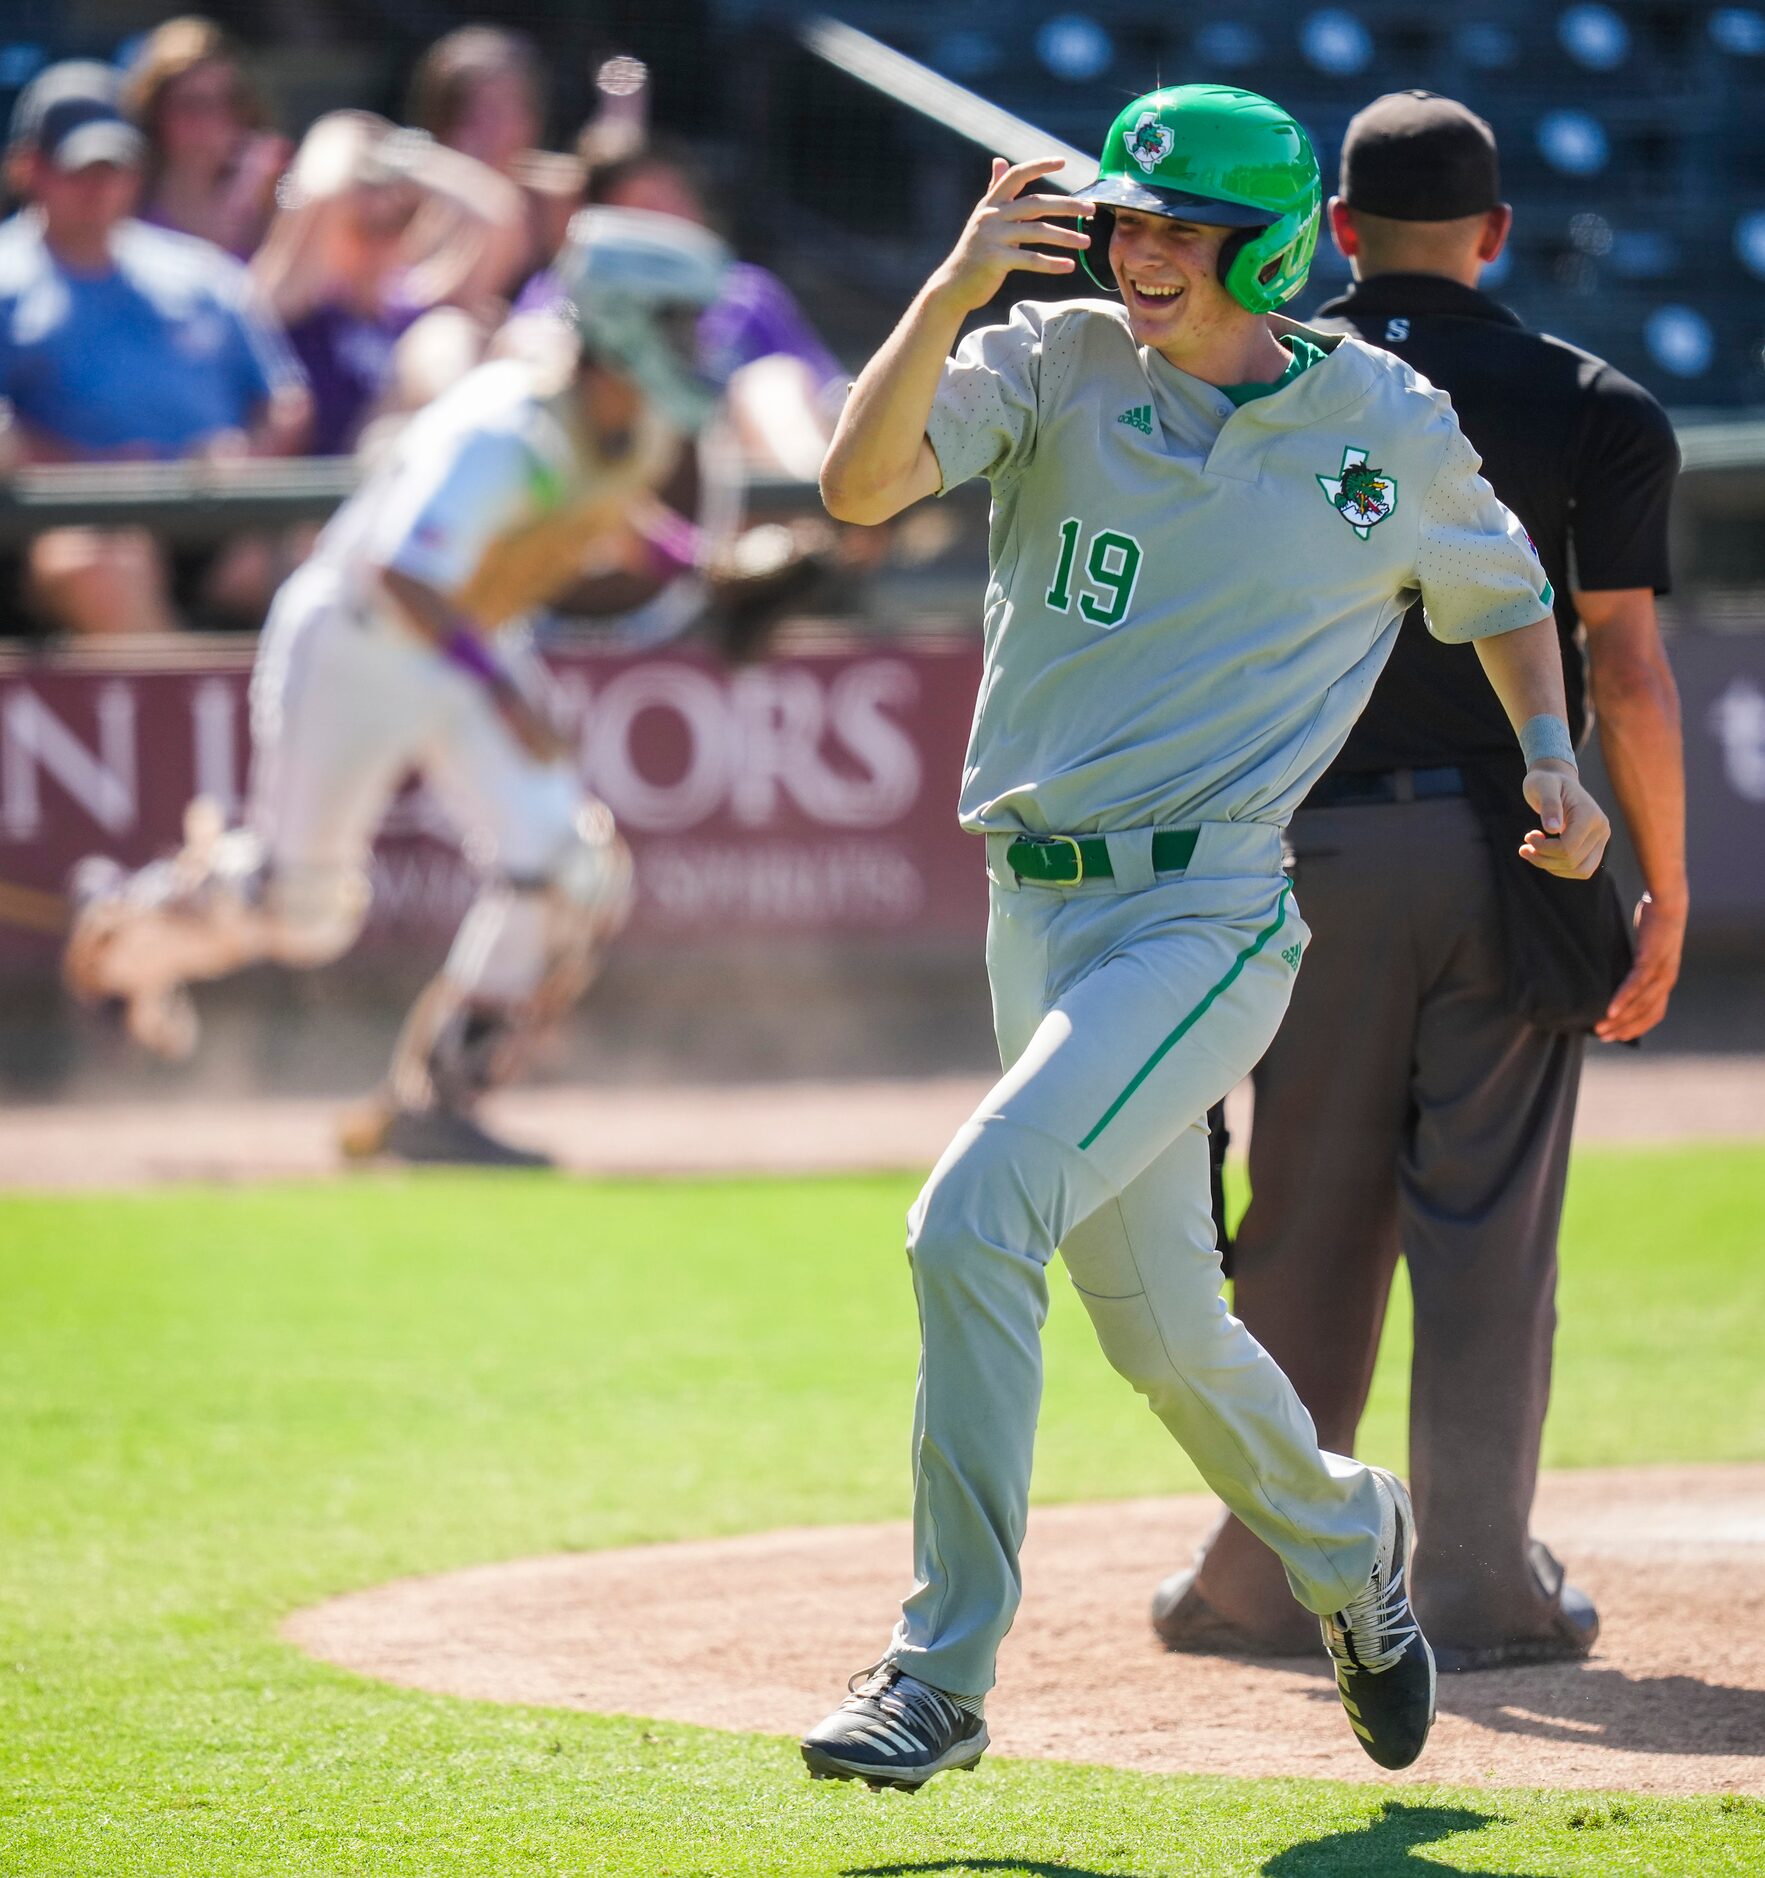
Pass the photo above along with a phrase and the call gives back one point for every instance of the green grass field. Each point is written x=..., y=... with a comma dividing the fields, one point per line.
x=216, y=1406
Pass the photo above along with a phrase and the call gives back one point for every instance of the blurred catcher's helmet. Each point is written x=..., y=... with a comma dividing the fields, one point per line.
x=1216, y=155
x=636, y=283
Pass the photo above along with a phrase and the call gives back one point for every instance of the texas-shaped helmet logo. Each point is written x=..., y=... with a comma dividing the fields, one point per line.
x=1150, y=142
x=1360, y=493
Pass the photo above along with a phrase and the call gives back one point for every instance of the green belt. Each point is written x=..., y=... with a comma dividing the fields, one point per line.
x=1065, y=860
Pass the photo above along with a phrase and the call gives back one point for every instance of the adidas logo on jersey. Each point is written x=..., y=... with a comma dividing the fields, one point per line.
x=1140, y=417
x=1291, y=955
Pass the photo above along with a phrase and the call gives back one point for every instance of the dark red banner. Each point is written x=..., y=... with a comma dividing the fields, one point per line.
x=806, y=795
x=810, y=795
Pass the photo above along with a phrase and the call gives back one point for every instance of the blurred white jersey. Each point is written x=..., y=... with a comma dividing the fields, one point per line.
x=491, y=495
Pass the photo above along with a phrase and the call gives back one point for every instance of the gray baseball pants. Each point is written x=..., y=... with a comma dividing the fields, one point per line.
x=1123, y=1009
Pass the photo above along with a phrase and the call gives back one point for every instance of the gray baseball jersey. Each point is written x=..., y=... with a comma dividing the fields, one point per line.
x=1190, y=600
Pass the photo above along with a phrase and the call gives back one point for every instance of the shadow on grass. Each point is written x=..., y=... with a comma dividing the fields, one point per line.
x=1018, y=1867
x=1386, y=1845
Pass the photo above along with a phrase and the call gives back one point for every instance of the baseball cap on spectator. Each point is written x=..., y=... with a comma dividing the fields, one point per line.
x=1414, y=156
x=69, y=116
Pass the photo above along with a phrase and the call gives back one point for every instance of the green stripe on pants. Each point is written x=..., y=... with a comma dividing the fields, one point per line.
x=1194, y=1017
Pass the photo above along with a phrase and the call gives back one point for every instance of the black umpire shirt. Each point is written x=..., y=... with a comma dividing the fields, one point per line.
x=1583, y=455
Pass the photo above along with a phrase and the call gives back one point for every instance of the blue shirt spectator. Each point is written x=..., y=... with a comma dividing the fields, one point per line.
x=148, y=357
x=118, y=340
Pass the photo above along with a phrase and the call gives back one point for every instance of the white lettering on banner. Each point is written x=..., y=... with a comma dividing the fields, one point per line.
x=785, y=714
x=1738, y=719
x=781, y=716
x=213, y=707
x=858, y=709
x=782, y=883
x=702, y=706
x=753, y=742
x=33, y=740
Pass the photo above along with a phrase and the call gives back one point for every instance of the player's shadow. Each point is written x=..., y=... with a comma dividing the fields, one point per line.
x=1386, y=1845
x=1600, y=1707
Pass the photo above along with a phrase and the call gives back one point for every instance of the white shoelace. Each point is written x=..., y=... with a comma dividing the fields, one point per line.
x=1373, y=1630
x=904, y=1713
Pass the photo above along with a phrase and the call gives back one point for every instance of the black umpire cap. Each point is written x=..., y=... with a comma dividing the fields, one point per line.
x=1414, y=156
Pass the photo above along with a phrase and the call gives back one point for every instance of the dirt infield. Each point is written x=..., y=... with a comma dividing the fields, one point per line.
x=757, y=1634
x=781, y=1127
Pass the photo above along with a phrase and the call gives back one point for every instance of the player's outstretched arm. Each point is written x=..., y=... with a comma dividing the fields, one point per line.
x=1526, y=669
x=879, y=461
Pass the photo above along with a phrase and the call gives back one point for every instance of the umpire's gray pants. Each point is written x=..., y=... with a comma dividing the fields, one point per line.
x=1123, y=1009
x=1403, y=1107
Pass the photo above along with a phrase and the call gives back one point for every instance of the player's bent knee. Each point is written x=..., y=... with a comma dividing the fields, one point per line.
x=1157, y=1356
x=997, y=1193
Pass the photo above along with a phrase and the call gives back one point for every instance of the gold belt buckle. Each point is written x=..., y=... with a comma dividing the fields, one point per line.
x=1078, y=856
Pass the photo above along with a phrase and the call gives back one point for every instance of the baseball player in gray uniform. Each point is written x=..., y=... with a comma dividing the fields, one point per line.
x=1207, y=523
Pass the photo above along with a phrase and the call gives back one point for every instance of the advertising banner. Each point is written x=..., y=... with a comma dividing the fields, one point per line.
x=806, y=796
x=1722, y=696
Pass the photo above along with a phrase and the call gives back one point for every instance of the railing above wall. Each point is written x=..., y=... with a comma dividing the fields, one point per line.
x=186, y=502
x=1719, y=511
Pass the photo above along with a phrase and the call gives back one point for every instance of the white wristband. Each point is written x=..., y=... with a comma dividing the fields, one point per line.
x=1546, y=736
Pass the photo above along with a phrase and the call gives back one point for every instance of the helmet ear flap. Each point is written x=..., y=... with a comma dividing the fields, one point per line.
x=1236, y=241
x=1262, y=268
x=1095, y=259
x=1230, y=248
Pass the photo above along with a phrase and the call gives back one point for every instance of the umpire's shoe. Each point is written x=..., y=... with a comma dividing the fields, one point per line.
x=1384, y=1668
x=894, y=1731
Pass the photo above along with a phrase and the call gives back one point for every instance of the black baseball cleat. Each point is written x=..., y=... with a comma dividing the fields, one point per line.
x=894, y=1731
x=436, y=1137
x=1384, y=1668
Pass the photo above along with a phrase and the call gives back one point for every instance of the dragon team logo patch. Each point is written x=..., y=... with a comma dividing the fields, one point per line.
x=1150, y=142
x=1360, y=493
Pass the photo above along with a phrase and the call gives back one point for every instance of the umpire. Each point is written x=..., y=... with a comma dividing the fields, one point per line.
x=1420, y=1095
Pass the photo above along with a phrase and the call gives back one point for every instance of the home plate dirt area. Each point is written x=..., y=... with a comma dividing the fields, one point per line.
x=759, y=1633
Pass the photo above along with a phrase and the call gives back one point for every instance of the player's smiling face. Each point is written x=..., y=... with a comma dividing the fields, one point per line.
x=1168, y=272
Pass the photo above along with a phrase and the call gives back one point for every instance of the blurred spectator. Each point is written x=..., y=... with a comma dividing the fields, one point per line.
x=378, y=225
x=119, y=341
x=212, y=161
x=481, y=91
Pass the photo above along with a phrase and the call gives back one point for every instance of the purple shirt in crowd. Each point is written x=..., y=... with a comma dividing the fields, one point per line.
x=347, y=357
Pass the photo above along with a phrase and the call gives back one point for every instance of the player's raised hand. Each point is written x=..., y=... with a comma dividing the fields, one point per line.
x=1571, y=837
x=1009, y=230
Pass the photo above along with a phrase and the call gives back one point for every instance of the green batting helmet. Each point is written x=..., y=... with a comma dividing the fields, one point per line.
x=1212, y=154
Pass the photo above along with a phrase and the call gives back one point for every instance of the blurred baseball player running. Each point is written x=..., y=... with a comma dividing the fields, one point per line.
x=1207, y=525
x=399, y=647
